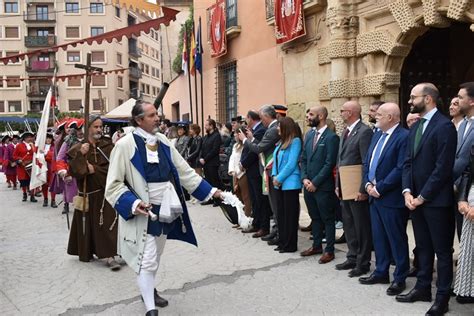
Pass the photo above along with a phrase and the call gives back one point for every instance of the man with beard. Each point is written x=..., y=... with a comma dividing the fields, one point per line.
x=465, y=140
x=353, y=147
x=317, y=164
x=374, y=106
x=209, y=160
x=427, y=183
x=146, y=174
x=94, y=225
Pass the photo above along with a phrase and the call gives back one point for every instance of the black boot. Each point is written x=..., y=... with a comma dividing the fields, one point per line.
x=45, y=203
x=66, y=208
x=153, y=312
x=53, y=204
x=33, y=199
x=25, y=197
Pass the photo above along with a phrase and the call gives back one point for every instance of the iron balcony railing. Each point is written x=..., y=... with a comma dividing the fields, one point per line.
x=40, y=41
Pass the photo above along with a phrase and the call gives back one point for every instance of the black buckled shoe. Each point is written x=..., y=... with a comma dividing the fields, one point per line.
x=45, y=203
x=33, y=199
x=25, y=197
x=153, y=312
x=159, y=301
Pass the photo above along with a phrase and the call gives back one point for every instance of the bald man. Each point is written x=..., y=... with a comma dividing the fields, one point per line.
x=353, y=147
x=383, y=182
x=428, y=191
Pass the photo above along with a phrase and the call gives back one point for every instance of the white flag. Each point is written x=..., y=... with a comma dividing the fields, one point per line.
x=39, y=170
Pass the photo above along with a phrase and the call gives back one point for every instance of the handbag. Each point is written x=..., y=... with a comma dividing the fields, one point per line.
x=80, y=204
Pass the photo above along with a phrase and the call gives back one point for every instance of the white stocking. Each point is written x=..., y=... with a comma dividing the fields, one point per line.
x=146, y=283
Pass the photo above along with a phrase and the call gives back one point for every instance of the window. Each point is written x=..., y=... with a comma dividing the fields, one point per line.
x=75, y=105
x=147, y=89
x=43, y=57
x=42, y=32
x=227, y=91
x=120, y=82
x=147, y=69
x=42, y=13
x=117, y=12
x=72, y=32
x=96, y=7
x=119, y=59
x=72, y=7
x=2, y=106
x=97, y=30
x=231, y=13
x=12, y=32
x=14, y=106
x=11, y=7
x=73, y=57
x=154, y=91
x=96, y=106
x=98, y=81
x=74, y=82
x=98, y=57
x=13, y=82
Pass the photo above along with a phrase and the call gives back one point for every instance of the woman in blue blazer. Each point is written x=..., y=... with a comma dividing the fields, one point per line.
x=286, y=175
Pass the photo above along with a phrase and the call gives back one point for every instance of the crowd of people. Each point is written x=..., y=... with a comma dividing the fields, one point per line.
x=375, y=177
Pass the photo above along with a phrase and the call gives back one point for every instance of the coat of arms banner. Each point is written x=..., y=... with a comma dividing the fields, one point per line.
x=289, y=20
x=217, y=29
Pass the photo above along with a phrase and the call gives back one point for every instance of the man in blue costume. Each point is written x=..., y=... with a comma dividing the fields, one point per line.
x=145, y=178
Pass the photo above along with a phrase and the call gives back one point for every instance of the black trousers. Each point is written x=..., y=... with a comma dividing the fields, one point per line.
x=434, y=233
x=459, y=220
x=211, y=173
x=255, y=190
x=288, y=214
x=356, y=219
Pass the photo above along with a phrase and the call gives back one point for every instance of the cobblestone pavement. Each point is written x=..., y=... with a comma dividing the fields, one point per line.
x=229, y=274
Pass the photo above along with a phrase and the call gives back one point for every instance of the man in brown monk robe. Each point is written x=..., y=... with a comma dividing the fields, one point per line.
x=93, y=231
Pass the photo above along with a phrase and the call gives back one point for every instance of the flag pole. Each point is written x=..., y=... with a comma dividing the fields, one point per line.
x=195, y=82
x=202, y=89
x=189, y=78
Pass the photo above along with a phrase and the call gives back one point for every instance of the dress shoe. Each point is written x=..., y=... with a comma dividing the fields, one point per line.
x=251, y=229
x=439, y=308
x=465, y=299
x=396, y=288
x=326, y=257
x=274, y=241
x=25, y=197
x=208, y=202
x=373, y=279
x=269, y=236
x=45, y=203
x=311, y=252
x=415, y=295
x=356, y=272
x=346, y=265
x=260, y=234
x=159, y=301
x=153, y=312
x=412, y=273
x=287, y=250
x=33, y=199
x=277, y=248
x=53, y=204
x=307, y=228
x=341, y=240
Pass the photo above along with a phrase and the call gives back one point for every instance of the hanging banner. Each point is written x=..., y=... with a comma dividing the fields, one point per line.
x=217, y=29
x=289, y=20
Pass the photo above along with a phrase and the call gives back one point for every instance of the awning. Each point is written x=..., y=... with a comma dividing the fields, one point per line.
x=123, y=111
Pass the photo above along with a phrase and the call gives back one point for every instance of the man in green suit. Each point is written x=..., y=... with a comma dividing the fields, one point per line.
x=318, y=161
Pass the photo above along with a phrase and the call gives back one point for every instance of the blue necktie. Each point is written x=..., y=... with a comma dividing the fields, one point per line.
x=375, y=160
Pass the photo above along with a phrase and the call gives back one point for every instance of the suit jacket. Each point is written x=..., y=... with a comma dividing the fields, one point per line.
x=266, y=146
x=285, y=166
x=464, y=145
x=194, y=151
x=210, y=149
x=429, y=171
x=388, y=173
x=318, y=165
x=354, y=149
x=249, y=160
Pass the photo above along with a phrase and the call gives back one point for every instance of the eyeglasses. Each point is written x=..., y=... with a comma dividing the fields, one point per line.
x=413, y=97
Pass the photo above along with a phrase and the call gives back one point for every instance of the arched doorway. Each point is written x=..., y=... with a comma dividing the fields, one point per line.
x=441, y=56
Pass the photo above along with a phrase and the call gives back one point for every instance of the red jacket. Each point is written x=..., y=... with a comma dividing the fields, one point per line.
x=22, y=153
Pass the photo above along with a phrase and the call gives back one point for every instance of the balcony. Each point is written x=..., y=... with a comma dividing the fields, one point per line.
x=309, y=6
x=134, y=51
x=38, y=92
x=43, y=18
x=135, y=73
x=38, y=66
x=40, y=41
x=30, y=2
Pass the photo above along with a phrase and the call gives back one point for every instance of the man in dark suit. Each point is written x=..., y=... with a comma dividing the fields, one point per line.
x=317, y=165
x=465, y=141
x=264, y=149
x=211, y=144
x=428, y=191
x=355, y=141
x=388, y=215
x=249, y=162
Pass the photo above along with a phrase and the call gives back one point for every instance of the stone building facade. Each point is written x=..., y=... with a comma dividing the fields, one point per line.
x=368, y=50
